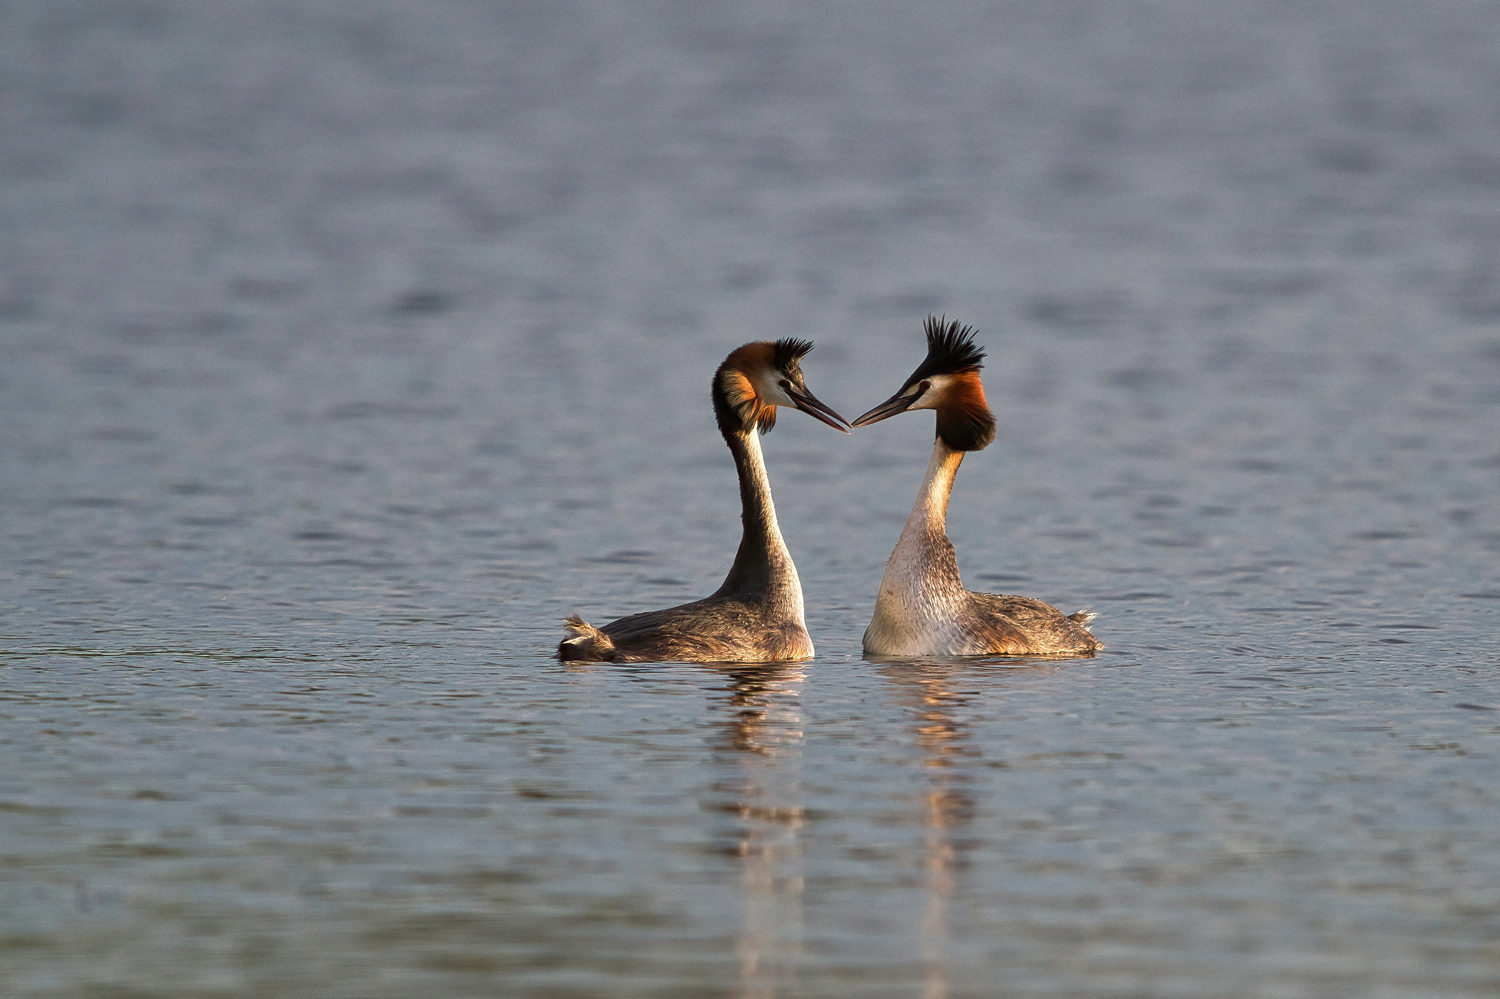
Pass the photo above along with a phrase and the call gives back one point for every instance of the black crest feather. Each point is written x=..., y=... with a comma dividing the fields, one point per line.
x=790, y=350
x=950, y=349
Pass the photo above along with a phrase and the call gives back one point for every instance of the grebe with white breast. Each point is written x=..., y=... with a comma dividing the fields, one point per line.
x=756, y=616
x=922, y=608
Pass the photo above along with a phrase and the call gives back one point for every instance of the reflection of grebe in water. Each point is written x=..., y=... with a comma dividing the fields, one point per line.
x=756, y=616
x=757, y=798
x=950, y=762
x=763, y=707
x=923, y=608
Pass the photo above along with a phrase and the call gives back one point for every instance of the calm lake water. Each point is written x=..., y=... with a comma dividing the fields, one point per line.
x=347, y=350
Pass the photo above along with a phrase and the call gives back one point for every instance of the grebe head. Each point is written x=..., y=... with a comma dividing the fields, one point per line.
x=758, y=377
x=947, y=381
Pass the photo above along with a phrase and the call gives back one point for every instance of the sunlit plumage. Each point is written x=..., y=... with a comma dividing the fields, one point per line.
x=756, y=616
x=922, y=608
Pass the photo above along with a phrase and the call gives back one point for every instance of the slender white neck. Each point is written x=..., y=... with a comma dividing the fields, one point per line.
x=921, y=593
x=929, y=515
x=762, y=565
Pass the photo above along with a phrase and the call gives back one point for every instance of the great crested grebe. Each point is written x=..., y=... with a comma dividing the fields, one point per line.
x=923, y=608
x=756, y=616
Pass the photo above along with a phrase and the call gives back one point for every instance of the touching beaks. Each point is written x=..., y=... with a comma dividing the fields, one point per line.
x=898, y=403
x=809, y=404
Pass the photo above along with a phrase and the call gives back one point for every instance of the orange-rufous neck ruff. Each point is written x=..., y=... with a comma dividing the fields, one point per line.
x=964, y=420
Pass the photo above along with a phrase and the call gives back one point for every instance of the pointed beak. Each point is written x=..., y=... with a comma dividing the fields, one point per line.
x=897, y=403
x=809, y=404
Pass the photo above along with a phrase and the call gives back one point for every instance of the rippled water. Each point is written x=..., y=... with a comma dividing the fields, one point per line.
x=347, y=351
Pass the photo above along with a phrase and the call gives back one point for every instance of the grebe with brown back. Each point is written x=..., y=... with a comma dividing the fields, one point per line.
x=756, y=616
x=922, y=608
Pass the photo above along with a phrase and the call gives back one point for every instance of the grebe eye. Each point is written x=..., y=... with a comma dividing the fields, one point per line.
x=785, y=383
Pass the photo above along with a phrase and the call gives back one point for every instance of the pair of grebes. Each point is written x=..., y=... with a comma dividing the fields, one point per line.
x=922, y=609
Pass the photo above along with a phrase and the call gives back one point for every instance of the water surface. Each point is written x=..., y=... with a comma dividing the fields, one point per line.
x=347, y=352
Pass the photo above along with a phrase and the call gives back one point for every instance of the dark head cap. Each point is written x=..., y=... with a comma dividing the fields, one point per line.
x=950, y=349
x=948, y=381
x=758, y=377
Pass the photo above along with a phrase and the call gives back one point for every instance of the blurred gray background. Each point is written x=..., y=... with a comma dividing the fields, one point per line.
x=345, y=348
